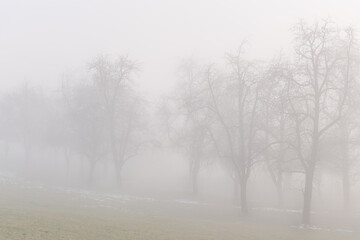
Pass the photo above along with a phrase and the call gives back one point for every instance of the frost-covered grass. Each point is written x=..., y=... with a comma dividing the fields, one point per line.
x=40, y=213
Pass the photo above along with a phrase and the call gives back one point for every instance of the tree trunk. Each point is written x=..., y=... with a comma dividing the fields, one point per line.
x=28, y=156
x=345, y=167
x=67, y=168
x=236, y=192
x=309, y=178
x=346, y=184
x=82, y=164
x=194, y=181
x=194, y=172
x=115, y=154
x=243, y=195
x=310, y=169
x=67, y=159
x=91, y=174
x=118, y=176
x=279, y=191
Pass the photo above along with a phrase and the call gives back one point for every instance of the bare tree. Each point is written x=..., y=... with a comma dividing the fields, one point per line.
x=233, y=99
x=275, y=122
x=113, y=80
x=26, y=112
x=88, y=124
x=317, y=95
x=349, y=71
x=343, y=143
x=188, y=119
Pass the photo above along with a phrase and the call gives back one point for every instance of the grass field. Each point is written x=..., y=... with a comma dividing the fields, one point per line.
x=35, y=213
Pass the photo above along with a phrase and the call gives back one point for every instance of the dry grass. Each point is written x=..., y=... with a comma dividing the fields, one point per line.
x=42, y=215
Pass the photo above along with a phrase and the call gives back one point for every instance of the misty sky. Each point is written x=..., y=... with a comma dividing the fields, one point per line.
x=42, y=39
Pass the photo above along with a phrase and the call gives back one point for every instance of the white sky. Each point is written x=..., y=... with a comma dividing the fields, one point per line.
x=42, y=39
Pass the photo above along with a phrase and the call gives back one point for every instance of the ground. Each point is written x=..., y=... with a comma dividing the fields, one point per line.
x=28, y=212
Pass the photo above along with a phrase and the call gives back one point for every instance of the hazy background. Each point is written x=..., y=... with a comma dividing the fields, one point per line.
x=40, y=40
x=44, y=41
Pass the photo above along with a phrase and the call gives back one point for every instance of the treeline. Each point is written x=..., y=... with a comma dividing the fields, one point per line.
x=100, y=118
x=295, y=113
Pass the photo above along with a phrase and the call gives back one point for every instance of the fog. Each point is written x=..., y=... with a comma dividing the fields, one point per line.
x=47, y=38
x=245, y=110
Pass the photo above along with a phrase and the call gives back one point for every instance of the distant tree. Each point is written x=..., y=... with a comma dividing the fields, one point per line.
x=122, y=108
x=188, y=119
x=24, y=115
x=88, y=126
x=234, y=101
x=342, y=144
x=275, y=123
